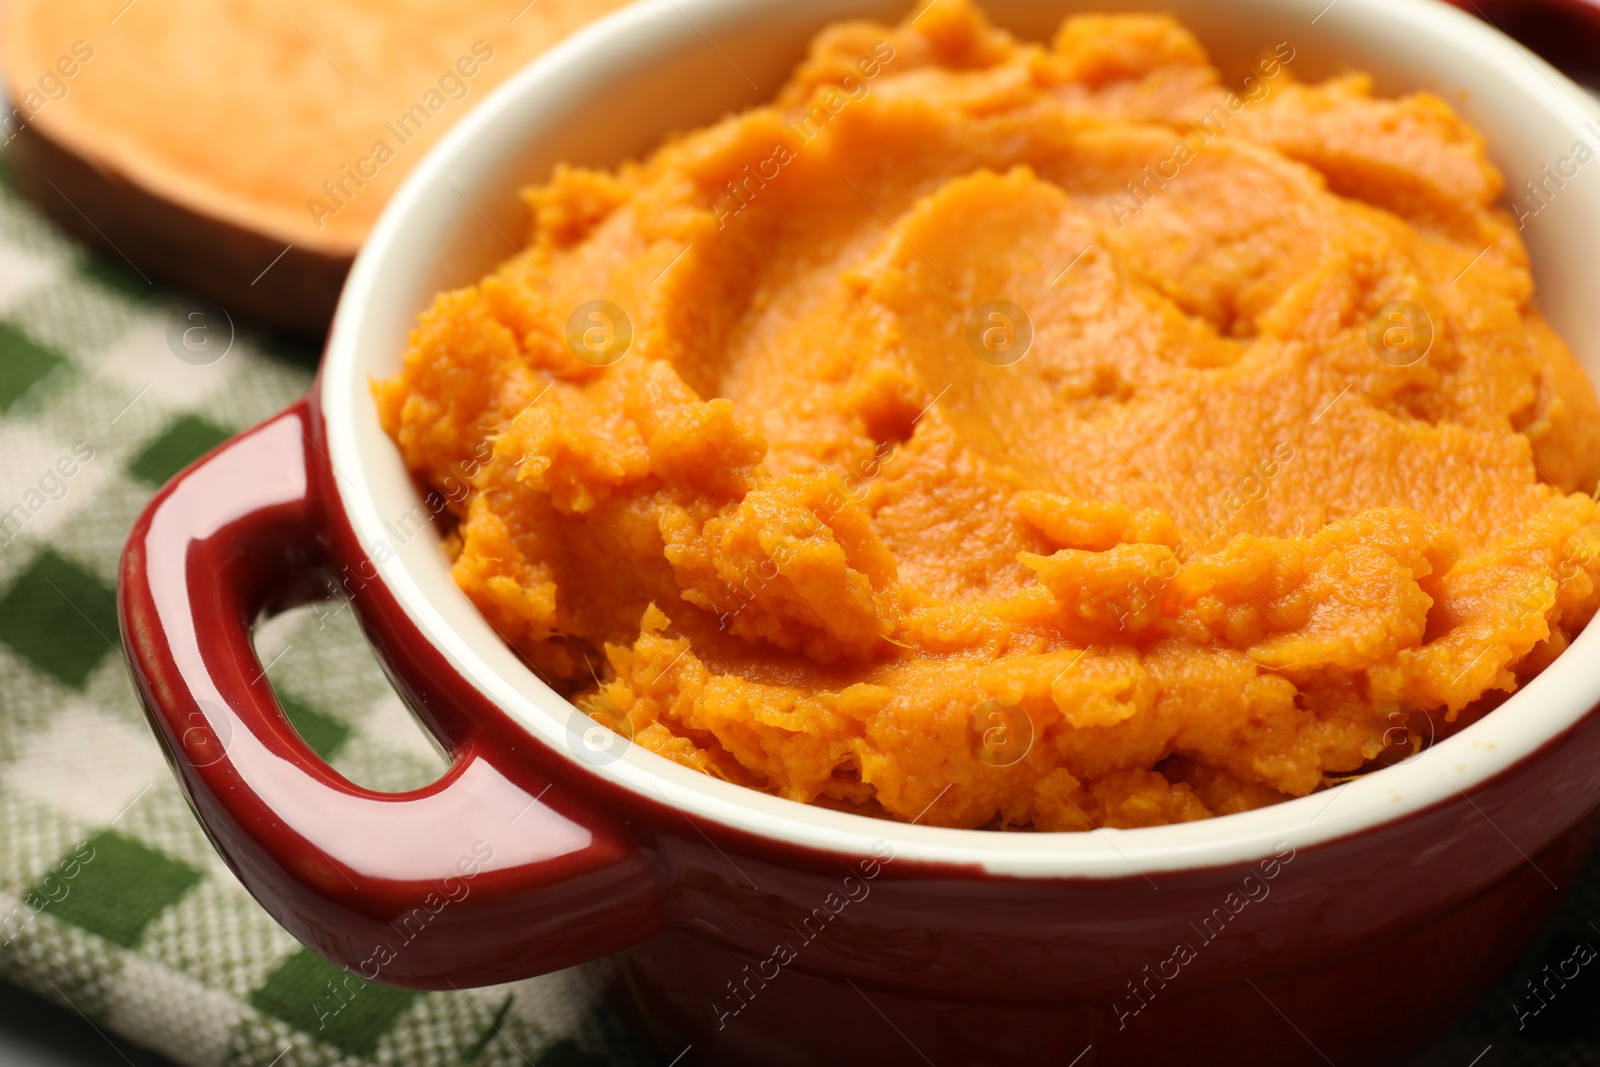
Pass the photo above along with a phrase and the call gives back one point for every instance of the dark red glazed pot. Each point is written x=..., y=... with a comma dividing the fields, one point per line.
x=1346, y=927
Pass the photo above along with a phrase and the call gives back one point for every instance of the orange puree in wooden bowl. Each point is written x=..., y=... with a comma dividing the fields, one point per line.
x=1007, y=435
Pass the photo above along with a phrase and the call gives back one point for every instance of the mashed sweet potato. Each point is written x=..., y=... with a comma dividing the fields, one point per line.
x=1010, y=435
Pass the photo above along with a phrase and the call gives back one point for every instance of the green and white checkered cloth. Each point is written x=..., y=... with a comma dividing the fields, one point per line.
x=111, y=898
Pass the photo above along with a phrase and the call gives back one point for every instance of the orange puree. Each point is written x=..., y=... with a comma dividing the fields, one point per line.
x=1233, y=526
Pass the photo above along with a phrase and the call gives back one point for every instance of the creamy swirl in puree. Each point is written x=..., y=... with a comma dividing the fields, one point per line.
x=1015, y=435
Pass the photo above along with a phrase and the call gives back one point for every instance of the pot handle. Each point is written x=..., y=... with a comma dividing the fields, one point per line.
x=502, y=869
x=1565, y=33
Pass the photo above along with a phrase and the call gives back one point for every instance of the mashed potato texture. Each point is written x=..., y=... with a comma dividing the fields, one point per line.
x=1009, y=435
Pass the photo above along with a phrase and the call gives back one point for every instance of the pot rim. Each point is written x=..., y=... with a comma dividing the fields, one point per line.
x=439, y=194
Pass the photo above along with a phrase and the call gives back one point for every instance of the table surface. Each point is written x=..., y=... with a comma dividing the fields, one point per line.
x=36, y=1033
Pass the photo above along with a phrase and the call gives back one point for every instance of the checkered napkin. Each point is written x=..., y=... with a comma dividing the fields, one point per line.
x=111, y=899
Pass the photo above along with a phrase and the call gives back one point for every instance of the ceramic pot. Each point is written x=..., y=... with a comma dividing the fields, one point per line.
x=1348, y=926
